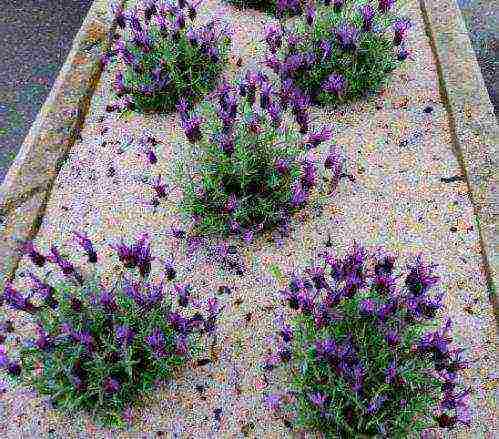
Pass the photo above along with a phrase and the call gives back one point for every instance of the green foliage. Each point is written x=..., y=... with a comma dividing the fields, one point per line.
x=263, y=194
x=347, y=411
x=75, y=375
x=192, y=73
x=367, y=356
x=167, y=57
x=364, y=70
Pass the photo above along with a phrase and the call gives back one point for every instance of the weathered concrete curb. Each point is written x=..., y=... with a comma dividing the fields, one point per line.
x=29, y=180
x=473, y=123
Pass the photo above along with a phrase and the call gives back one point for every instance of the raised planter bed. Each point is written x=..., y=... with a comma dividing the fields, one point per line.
x=405, y=148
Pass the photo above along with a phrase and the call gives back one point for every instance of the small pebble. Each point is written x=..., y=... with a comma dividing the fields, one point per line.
x=428, y=109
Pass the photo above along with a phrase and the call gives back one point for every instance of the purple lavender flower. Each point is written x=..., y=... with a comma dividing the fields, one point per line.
x=142, y=40
x=310, y=14
x=16, y=300
x=326, y=49
x=273, y=37
x=14, y=368
x=169, y=269
x=387, y=310
x=214, y=307
x=315, y=139
x=66, y=267
x=134, y=21
x=286, y=92
x=384, y=265
x=420, y=278
x=334, y=163
x=119, y=84
x=292, y=64
x=45, y=290
x=160, y=188
x=347, y=37
x=111, y=385
x=392, y=337
x=436, y=342
x=299, y=196
x=367, y=307
x=119, y=14
x=282, y=166
x=178, y=322
x=126, y=254
x=162, y=24
x=318, y=276
x=338, y=5
x=149, y=9
x=403, y=54
x=192, y=128
x=458, y=402
x=367, y=13
x=376, y=404
x=271, y=361
x=231, y=204
x=273, y=401
x=4, y=359
x=308, y=177
x=265, y=95
x=400, y=29
x=192, y=9
x=181, y=345
x=142, y=254
x=124, y=335
x=107, y=300
x=385, y=5
x=227, y=144
x=291, y=298
x=335, y=84
x=319, y=400
x=359, y=374
x=183, y=292
x=156, y=341
x=248, y=236
x=275, y=114
x=183, y=109
x=33, y=254
x=43, y=341
x=84, y=338
x=325, y=349
x=86, y=244
x=384, y=284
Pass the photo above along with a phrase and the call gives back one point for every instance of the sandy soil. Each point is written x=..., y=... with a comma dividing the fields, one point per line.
x=398, y=154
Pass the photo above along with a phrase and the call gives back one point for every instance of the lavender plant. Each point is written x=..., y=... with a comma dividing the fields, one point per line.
x=166, y=57
x=365, y=352
x=102, y=349
x=252, y=167
x=341, y=51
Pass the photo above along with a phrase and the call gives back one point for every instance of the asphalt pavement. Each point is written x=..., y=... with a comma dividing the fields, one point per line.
x=36, y=36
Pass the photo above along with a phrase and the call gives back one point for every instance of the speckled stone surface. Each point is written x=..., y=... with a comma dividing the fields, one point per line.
x=396, y=152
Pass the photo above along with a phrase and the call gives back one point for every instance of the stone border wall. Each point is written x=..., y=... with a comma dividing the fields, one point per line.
x=30, y=179
x=473, y=123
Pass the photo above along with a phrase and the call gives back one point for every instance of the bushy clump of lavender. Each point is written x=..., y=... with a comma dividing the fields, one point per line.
x=165, y=57
x=280, y=8
x=340, y=51
x=366, y=354
x=252, y=168
x=100, y=348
